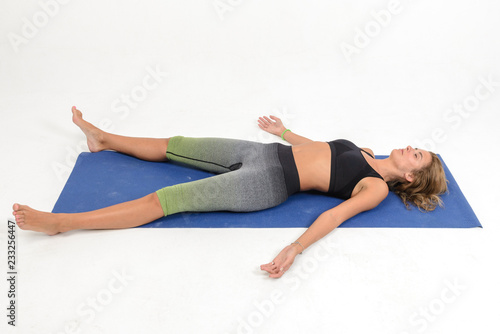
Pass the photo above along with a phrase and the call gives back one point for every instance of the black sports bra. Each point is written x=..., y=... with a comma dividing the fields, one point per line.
x=348, y=167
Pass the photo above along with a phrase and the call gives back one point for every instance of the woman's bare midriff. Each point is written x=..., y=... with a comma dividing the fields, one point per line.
x=313, y=162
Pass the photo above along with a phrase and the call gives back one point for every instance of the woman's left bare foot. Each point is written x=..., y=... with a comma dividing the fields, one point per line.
x=33, y=220
x=95, y=136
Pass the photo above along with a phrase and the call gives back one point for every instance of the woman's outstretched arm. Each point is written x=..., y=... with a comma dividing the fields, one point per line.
x=274, y=126
x=367, y=199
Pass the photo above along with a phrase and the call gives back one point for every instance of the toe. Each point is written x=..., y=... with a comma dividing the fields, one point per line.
x=15, y=207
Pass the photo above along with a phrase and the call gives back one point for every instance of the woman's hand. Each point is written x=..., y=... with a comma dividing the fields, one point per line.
x=281, y=263
x=273, y=126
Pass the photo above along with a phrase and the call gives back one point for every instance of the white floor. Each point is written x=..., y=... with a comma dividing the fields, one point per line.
x=425, y=74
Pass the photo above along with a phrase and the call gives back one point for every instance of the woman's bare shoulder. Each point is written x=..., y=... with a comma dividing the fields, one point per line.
x=368, y=150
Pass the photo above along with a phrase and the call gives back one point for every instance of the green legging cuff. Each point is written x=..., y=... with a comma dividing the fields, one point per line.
x=168, y=199
x=173, y=144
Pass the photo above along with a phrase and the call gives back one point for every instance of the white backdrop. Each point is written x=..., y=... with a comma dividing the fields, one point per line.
x=384, y=74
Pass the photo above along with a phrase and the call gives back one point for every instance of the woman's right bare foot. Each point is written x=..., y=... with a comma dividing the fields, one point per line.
x=95, y=136
x=33, y=220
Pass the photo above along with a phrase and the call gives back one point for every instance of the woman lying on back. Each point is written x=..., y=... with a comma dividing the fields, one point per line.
x=254, y=176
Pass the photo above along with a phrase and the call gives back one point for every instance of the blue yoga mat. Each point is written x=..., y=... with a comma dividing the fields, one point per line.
x=106, y=178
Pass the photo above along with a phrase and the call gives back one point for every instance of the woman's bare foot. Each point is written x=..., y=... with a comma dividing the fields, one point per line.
x=33, y=220
x=95, y=136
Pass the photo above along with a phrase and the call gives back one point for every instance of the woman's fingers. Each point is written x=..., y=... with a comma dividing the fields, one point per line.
x=263, y=123
x=277, y=273
x=276, y=270
x=269, y=267
x=269, y=121
x=266, y=267
x=281, y=263
x=266, y=121
x=268, y=125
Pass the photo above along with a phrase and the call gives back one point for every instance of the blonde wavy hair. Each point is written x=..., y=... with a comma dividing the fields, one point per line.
x=428, y=184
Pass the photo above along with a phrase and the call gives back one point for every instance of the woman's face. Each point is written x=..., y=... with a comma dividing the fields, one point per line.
x=409, y=159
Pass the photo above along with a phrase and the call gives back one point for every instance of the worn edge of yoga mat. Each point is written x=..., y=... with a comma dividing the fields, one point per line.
x=307, y=205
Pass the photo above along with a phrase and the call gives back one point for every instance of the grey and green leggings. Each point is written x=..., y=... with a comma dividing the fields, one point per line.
x=250, y=176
